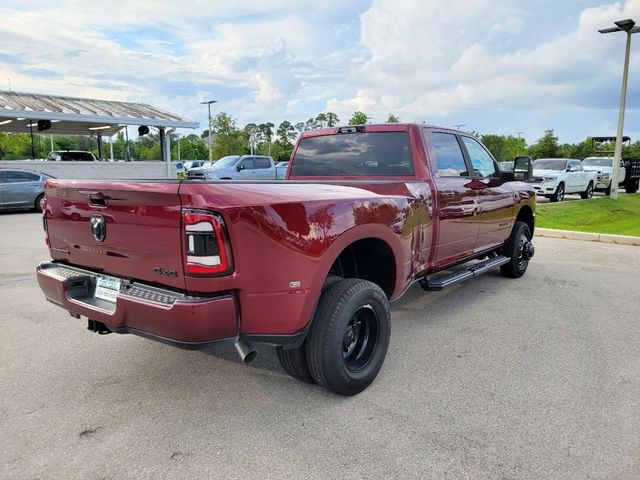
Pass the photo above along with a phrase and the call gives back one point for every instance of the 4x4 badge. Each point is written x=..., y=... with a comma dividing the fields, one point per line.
x=98, y=227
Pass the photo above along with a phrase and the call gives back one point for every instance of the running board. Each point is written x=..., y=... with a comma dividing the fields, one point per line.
x=442, y=281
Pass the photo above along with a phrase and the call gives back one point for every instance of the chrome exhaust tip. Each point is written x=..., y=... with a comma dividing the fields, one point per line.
x=246, y=351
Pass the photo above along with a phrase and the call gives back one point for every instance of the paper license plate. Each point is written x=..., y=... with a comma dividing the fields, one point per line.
x=107, y=288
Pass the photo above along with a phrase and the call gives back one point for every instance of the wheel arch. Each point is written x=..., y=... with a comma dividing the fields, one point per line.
x=525, y=214
x=370, y=252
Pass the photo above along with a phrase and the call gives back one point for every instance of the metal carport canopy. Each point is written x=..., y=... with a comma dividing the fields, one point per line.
x=20, y=112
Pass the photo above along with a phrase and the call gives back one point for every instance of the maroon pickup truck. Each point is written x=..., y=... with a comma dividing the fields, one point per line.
x=308, y=265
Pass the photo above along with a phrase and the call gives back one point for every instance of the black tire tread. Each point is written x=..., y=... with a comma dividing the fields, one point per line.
x=294, y=362
x=36, y=204
x=554, y=197
x=585, y=195
x=331, y=303
x=511, y=269
x=631, y=186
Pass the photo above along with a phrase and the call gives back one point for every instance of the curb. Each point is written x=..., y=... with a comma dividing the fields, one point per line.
x=587, y=236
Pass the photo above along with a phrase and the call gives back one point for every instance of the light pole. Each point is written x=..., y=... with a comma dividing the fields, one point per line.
x=459, y=125
x=629, y=27
x=208, y=104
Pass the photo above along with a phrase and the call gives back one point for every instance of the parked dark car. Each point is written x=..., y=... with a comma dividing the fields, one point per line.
x=21, y=189
x=71, y=156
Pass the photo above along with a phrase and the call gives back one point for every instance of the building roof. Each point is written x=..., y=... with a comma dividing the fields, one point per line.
x=80, y=116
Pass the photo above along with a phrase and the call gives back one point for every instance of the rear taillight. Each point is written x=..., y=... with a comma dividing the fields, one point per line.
x=43, y=208
x=206, y=248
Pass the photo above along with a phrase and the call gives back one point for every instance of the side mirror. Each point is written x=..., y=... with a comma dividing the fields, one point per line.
x=523, y=169
x=239, y=167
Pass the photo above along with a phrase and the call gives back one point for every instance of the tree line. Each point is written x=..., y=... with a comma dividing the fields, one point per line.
x=266, y=139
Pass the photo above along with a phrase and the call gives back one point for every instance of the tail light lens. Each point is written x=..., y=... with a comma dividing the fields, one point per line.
x=206, y=247
x=43, y=207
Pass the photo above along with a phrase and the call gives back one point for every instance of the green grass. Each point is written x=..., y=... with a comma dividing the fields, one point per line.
x=600, y=215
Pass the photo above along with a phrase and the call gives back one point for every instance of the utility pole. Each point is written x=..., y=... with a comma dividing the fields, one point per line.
x=459, y=125
x=208, y=104
x=629, y=27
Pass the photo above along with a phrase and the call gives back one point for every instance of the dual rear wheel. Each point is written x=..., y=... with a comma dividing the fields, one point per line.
x=348, y=340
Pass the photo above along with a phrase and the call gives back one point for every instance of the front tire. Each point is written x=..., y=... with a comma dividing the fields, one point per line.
x=348, y=341
x=519, y=249
x=588, y=193
x=558, y=196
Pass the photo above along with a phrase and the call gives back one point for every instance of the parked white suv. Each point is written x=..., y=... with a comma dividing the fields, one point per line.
x=554, y=177
x=603, y=166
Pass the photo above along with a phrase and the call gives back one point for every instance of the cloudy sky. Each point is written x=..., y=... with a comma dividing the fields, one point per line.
x=498, y=66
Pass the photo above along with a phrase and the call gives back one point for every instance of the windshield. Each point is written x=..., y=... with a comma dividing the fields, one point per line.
x=598, y=162
x=226, y=162
x=550, y=164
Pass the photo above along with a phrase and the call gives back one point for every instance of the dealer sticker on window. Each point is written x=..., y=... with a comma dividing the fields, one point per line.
x=107, y=288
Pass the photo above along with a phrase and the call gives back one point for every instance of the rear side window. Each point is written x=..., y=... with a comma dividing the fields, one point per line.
x=449, y=158
x=261, y=162
x=354, y=154
x=15, y=177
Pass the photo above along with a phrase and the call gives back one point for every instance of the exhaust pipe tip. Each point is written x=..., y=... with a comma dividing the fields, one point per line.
x=246, y=351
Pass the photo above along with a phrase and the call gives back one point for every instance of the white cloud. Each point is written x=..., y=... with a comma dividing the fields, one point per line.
x=436, y=58
x=277, y=60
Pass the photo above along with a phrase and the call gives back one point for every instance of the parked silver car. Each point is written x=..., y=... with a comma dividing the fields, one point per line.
x=21, y=189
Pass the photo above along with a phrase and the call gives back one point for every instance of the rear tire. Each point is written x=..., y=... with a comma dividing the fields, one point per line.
x=558, y=196
x=588, y=193
x=294, y=362
x=632, y=186
x=36, y=204
x=349, y=338
x=517, y=250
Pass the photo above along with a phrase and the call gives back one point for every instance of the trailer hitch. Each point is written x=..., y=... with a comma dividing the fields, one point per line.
x=97, y=327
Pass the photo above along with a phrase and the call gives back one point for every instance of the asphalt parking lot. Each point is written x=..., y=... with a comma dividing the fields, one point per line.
x=495, y=378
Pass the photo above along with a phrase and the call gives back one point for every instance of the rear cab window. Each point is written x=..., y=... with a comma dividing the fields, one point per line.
x=354, y=154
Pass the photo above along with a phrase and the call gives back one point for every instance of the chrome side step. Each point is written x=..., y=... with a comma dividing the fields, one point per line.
x=439, y=282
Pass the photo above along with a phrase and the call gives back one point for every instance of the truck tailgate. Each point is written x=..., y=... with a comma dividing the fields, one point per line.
x=141, y=222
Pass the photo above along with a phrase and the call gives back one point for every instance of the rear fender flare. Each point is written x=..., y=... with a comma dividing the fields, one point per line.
x=375, y=231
